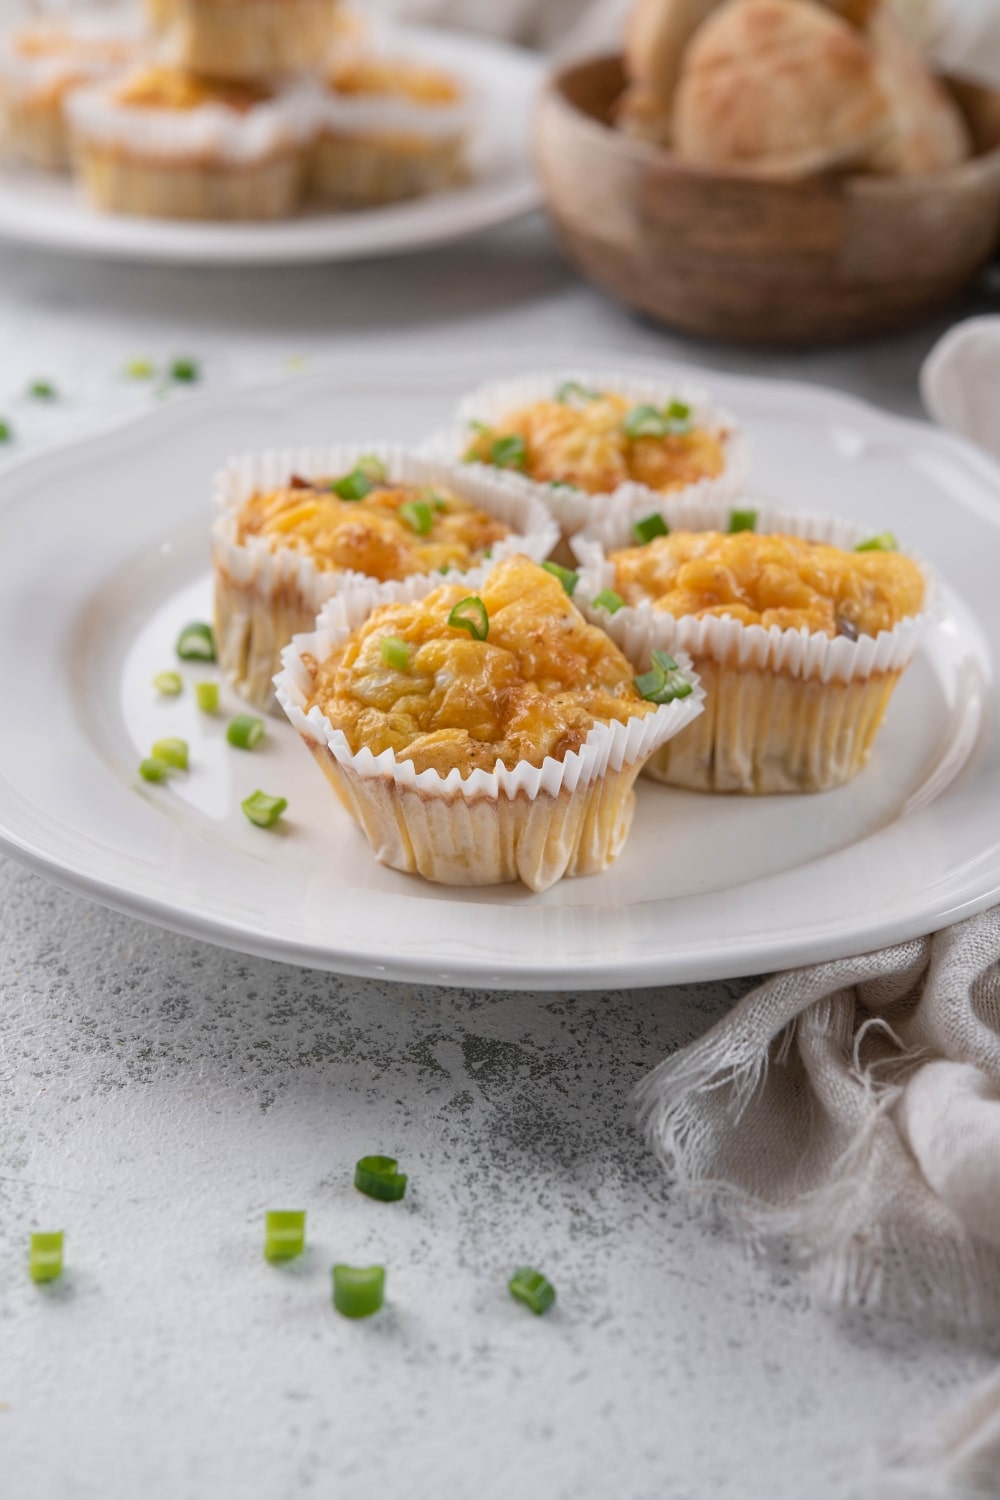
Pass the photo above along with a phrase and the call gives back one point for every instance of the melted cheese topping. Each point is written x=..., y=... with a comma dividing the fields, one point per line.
x=535, y=687
x=410, y=81
x=370, y=535
x=585, y=444
x=175, y=88
x=772, y=580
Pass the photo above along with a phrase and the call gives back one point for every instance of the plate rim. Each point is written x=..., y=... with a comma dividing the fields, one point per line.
x=536, y=972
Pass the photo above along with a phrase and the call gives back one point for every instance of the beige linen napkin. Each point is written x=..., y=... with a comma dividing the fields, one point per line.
x=849, y=1114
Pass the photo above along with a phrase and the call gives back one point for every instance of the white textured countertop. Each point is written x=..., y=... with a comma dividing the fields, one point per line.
x=158, y=1095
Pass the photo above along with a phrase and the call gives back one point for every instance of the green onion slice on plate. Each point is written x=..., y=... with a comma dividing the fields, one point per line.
x=650, y=527
x=196, y=642
x=45, y=1256
x=173, y=753
x=284, y=1234
x=664, y=681
x=262, y=810
x=379, y=1177
x=152, y=769
x=358, y=1291
x=533, y=1289
x=206, y=695
x=470, y=614
x=566, y=576
x=245, y=731
x=168, y=684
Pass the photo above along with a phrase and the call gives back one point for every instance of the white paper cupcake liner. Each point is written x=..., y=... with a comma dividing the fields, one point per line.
x=530, y=823
x=576, y=509
x=264, y=596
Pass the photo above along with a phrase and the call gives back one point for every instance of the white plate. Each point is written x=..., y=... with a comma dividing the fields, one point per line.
x=103, y=558
x=39, y=209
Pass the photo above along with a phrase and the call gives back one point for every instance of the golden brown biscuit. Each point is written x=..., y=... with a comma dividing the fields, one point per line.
x=927, y=131
x=656, y=36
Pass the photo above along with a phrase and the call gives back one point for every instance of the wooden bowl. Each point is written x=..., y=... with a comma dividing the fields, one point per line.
x=739, y=258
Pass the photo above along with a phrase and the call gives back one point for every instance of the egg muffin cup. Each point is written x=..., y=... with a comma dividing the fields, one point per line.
x=576, y=509
x=209, y=161
x=532, y=823
x=265, y=596
x=244, y=39
x=785, y=710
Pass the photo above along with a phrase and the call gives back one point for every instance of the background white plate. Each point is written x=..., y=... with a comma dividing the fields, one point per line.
x=40, y=209
x=103, y=555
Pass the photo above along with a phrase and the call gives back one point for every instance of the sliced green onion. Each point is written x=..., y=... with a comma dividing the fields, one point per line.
x=571, y=388
x=533, y=1289
x=245, y=731
x=372, y=468
x=609, y=600
x=652, y=526
x=742, y=520
x=509, y=452
x=184, y=371
x=284, y=1234
x=678, y=415
x=140, y=369
x=6, y=432
x=206, y=695
x=173, y=753
x=151, y=769
x=418, y=516
x=358, y=1291
x=45, y=1257
x=395, y=653
x=561, y=484
x=262, y=810
x=480, y=426
x=170, y=684
x=438, y=501
x=566, y=576
x=196, y=642
x=664, y=682
x=378, y=1177
x=470, y=614
x=884, y=542
x=354, y=486
x=42, y=390
x=645, y=421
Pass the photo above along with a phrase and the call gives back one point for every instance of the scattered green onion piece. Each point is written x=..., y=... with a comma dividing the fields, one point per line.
x=652, y=526
x=664, y=682
x=172, y=752
x=206, y=695
x=354, y=486
x=42, y=390
x=196, y=642
x=609, y=600
x=395, y=653
x=418, y=516
x=571, y=388
x=645, y=421
x=372, y=468
x=566, y=576
x=509, y=452
x=262, y=810
x=169, y=684
x=140, y=369
x=185, y=371
x=438, y=501
x=245, y=731
x=470, y=614
x=358, y=1291
x=151, y=769
x=284, y=1234
x=6, y=432
x=479, y=426
x=742, y=520
x=378, y=1177
x=678, y=417
x=884, y=542
x=533, y=1289
x=561, y=484
x=45, y=1257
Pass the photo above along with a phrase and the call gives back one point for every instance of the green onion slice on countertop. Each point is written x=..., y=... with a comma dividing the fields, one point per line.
x=649, y=527
x=6, y=432
x=379, y=1177
x=206, y=695
x=533, y=1289
x=140, y=369
x=42, y=390
x=609, y=600
x=418, y=516
x=358, y=1291
x=509, y=452
x=884, y=542
x=566, y=576
x=196, y=642
x=245, y=731
x=172, y=752
x=742, y=520
x=470, y=614
x=262, y=810
x=354, y=486
x=664, y=681
x=185, y=371
x=45, y=1256
x=168, y=684
x=284, y=1234
x=395, y=653
x=152, y=769
x=572, y=390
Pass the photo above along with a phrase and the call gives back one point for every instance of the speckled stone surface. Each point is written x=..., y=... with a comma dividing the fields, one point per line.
x=158, y=1095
